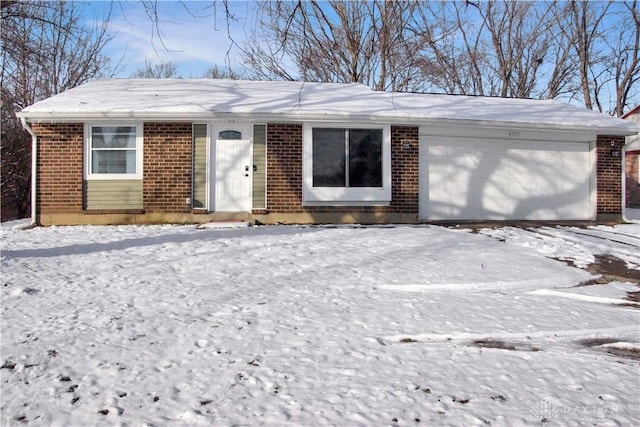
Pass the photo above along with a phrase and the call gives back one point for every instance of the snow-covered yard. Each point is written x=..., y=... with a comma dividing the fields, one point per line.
x=172, y=325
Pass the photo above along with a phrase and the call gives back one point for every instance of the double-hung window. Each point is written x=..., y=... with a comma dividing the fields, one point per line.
x=346, y=165
x=114, y=152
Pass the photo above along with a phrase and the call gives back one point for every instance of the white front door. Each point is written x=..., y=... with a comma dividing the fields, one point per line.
x=233, y=168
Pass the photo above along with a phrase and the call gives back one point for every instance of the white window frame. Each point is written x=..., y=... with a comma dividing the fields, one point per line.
x=89, y=175
x=345, y=196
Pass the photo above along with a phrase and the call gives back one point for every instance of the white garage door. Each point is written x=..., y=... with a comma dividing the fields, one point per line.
x=470, y=178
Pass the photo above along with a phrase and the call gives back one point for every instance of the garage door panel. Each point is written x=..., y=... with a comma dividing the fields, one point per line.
x=479, y=179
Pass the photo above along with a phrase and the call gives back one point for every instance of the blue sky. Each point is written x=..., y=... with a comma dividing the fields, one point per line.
x=194, y=34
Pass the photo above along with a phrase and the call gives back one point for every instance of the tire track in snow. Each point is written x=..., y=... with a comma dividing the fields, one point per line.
x=519, y=336
x=592, y=234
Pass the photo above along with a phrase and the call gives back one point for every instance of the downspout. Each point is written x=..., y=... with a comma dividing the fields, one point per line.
x=623, y=158
x=628, y=142
x=34, y=169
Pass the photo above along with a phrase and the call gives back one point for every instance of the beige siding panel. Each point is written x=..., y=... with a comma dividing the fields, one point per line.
x=260, y=167
x=116, y=194
x=200, y=166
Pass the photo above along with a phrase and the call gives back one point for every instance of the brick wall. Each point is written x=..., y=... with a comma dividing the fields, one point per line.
x=404, y=169
x=632, y=159
x=167, y=153
x=609, y=174
x=168, y=159
x=60, y=174
x=284, y=168
x=284, y=172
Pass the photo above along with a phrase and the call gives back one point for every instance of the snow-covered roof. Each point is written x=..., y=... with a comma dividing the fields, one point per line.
x=199, y=99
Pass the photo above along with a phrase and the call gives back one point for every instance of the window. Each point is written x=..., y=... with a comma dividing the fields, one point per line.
x=114, y=151
x=346, y=165
x=347, y=157
x=229, y=134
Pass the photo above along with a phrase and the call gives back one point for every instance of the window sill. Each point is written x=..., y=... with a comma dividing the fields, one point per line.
x=346, y=203
x=114, y=177
x=325, y=196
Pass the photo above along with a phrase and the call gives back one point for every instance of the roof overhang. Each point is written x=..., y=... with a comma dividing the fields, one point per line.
x=68, y=117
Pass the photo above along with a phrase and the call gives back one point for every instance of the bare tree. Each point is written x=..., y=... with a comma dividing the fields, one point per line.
x=455, y=54
x=336, y=41
x=623, y=64
x=46, y=49
x=491, y=48
x=483, y=48
x=161, y=70
x=561, y=74
x=218, y=72
x=604, y=38
x=548, y=49
x=584, y=22
x=520, y=36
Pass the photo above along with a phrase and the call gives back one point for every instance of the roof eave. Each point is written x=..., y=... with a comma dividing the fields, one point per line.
x=48, y=117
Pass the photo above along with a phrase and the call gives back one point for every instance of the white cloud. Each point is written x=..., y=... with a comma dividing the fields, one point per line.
x=193, y=35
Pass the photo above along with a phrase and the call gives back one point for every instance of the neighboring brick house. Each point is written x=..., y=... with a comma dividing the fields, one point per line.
x=182, y=151
x=632, y=158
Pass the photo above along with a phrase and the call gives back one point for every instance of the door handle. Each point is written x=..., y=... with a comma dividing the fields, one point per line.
x=246, y=168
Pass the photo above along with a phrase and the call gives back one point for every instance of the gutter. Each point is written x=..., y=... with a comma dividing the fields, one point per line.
x=34, y=169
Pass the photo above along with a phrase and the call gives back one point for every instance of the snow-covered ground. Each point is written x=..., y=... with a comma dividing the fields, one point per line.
x=173, y=325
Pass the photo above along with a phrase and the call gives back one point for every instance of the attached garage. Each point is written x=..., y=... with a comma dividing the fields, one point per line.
x=506, y=174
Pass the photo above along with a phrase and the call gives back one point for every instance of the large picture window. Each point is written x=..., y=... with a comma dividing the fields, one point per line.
x=347, y=157
x=113, y=151
x=346, y=165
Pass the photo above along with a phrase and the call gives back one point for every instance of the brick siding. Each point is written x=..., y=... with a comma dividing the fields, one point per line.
x=609, y=174
x=167, y=150
x=284, y=173
x=167, y=167
x=60, y=173
x=284, y=168
x=404, y=169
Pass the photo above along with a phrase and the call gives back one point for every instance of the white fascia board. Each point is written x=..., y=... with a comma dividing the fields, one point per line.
x=511, y=132
x=50, y=117
x=301, y=117
x=449, y=126
x=34, y=117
